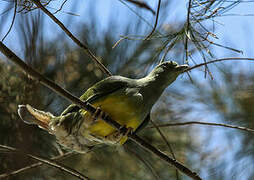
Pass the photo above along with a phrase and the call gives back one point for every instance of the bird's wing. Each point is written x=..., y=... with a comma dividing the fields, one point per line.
x=143, y=124
x=100, y=89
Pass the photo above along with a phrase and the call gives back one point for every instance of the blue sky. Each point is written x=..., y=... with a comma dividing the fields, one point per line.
x=236, y=30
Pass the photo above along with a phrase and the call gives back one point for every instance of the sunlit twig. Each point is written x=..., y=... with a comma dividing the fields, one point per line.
x=187, y=32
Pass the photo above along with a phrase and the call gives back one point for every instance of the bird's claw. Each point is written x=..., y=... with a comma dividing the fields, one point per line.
x=129, y=130
x=98, y=114
x=117, y=136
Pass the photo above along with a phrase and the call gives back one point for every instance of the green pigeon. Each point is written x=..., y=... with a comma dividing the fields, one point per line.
x=127, y=101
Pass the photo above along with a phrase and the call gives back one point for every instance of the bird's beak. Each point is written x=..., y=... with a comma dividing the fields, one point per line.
x=181, y=68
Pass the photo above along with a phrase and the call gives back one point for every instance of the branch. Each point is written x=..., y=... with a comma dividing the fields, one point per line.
x=148, y=147
x=204, y=123
x=156, y=21
x=13, y=19
x=217, y=60
x=79, y=43
x=169, y=48
x=13, y=173
x=88, y=107
x=146, y=163
x=142, y=5
x=132, y=10
x=48, y=162
x=186, y=31
x=61, y=7
x=167, y=143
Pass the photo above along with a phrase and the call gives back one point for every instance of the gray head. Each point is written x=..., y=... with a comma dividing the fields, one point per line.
x=168, y=70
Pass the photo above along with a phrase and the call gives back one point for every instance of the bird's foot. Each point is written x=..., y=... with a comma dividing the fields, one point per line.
x=129, y=130
x=118, y=137
x=98, y=114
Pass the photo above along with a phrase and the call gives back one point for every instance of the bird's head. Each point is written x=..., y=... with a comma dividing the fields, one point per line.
x=160, y=78
x=164, y=74
x=169, y=69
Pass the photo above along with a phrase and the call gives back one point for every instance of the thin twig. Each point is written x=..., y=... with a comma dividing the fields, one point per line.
x=218, y=60
x=169, y=48
x=48, y=162
x=186, y=31
x=146, y=163
x=142, y=5
x=204, y=123
x=118, y=42
x=79, y=43
x=148, y=147
x=156, y=21
x=132, y=10
x=12, y=22
x=61, y=7
x=88, y=107
x=187, y=36
x=167, y=143
x=13, y=173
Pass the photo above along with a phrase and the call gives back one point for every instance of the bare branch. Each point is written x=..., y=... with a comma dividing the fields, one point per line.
x=79, y=43
x=218, y=60
x=169, y=48
x=61, y=7
x=13, y=173
x=147, y=164
x=118, y=42
x=204, y=123
x=48, y=162
x=167, y=143
x=164, y=157
x=12, y=22
x=143, y=19
x=187, y=31
x=142, y=5
x=156, y=21
x=88, y=107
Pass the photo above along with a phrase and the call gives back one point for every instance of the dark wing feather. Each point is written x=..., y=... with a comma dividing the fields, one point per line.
x=143, y=124
x=100, y=89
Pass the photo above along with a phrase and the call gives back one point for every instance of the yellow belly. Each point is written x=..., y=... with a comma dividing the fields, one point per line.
x=120, y=108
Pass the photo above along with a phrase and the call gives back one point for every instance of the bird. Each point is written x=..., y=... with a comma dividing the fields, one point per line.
x=125, y=100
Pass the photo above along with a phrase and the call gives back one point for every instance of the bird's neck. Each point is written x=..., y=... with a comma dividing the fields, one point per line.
x=153, y=86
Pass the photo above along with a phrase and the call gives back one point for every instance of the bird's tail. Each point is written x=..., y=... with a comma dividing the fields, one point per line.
x=31, y=115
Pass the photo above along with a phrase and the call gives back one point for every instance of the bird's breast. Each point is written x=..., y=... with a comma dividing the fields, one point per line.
x=123, y=106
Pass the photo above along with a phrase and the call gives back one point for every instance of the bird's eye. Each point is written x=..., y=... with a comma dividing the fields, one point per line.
x=173, y=64
x=169, y=64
